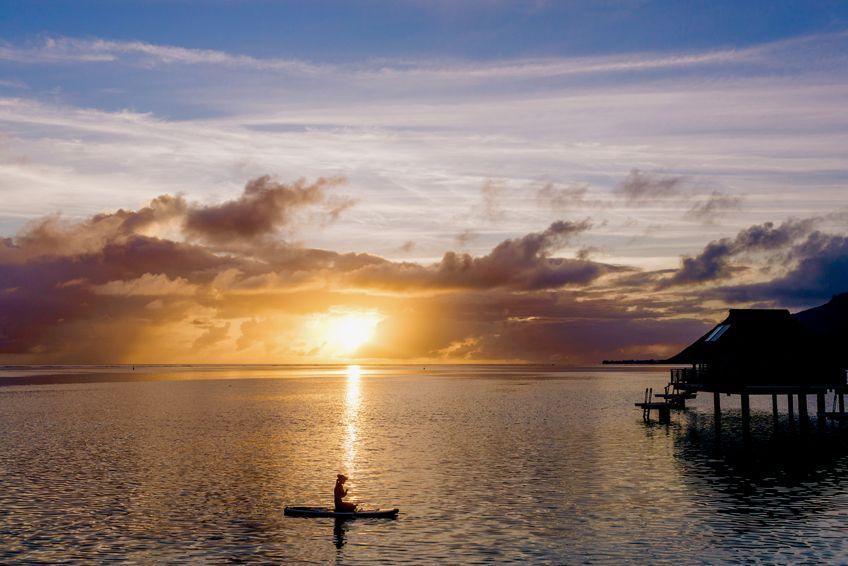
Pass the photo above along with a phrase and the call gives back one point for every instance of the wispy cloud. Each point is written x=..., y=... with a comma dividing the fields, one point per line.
x=76, y=50
x=426, y=135
x=66, y=50
x=69, y=50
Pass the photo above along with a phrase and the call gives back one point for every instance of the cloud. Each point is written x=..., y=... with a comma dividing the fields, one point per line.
x=263, y=209
x=592, y=339
x=465, y=237
x=73, y=50
x=212, y=335
x=714, y=262
x=336, y=205
x=147, y=285
x=54, y=235
x=639, y=187
x=521, y=263
x=67, y=50
x=566, y=327
x=136, y=294
x=110, y=276
x=716, y=204
x=819, y=270
x=492, y=193
x=562, y=198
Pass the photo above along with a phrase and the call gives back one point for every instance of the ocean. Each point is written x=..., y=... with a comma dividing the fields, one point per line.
x=495, y=464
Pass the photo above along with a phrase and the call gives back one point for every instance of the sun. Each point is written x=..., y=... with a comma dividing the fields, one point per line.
x=347, y=332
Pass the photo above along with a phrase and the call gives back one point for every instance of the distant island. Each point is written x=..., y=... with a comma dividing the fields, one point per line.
x=634, y=362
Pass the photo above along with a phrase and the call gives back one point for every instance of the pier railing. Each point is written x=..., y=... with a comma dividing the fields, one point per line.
x=689, y=375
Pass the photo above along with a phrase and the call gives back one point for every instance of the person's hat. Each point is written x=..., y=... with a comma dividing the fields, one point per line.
x=341, y=477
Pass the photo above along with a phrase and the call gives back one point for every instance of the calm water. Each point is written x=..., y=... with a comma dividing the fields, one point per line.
x=486, y=464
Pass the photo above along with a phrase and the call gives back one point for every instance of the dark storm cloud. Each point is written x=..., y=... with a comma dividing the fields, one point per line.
x=820, y=271
x=264, y=207
x=714, y=262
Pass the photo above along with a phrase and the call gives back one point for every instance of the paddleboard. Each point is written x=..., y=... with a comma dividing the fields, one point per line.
x=330, y=512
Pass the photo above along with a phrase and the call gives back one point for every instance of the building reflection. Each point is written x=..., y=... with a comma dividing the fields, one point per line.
x=770, y=475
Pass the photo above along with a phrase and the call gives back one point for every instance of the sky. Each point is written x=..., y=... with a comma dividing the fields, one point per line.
x=411, y=181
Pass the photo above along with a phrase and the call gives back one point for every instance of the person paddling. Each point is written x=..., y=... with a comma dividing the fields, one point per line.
x=339, y=494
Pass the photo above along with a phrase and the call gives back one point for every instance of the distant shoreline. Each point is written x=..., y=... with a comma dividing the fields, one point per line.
x=635, y=362
x=55, y=374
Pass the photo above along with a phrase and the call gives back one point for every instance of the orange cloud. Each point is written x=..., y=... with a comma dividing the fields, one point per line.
x=180, y=282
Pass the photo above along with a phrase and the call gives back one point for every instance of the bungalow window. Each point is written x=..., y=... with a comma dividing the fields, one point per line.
x=717, y=333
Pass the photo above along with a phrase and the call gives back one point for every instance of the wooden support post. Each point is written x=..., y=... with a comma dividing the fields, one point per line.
x=820, y=409
x=774, y=409
x=790, y=405
x=841, y=402
x=803, y=418
x=717, y=409
x=746, y=415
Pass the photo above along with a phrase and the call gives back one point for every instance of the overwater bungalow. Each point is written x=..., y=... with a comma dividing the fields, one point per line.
x=755, y=350
x=765, y=352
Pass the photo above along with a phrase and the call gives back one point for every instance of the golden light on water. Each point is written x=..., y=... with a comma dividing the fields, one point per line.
x=354, y=372
x=351, y=416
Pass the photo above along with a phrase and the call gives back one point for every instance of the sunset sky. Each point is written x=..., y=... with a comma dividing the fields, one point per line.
x=413, y=181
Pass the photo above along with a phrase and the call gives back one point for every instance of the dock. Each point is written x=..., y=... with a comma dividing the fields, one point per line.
x=673, y=398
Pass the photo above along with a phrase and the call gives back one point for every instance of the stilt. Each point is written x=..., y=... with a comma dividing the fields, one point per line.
x=790, y=404
x=841, y=402
x=803, y=418
x=717, y=409
x=746, y=415
x=820, y=410
x=774, y=409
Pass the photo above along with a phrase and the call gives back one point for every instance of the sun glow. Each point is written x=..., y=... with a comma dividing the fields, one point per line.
x=345, y=333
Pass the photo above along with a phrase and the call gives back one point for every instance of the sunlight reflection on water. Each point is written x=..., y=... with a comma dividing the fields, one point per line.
x=486, y=464
x=351, y=415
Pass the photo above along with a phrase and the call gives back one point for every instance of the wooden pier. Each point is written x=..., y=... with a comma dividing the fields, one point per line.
x=672, y=399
